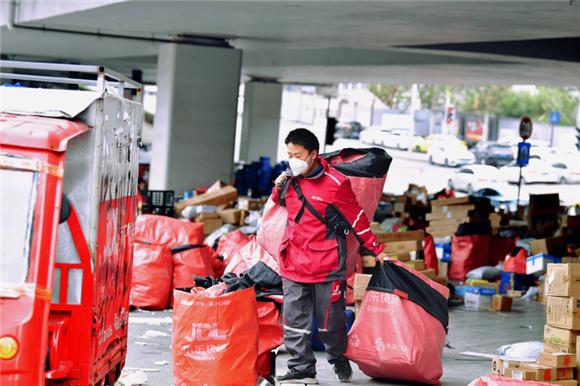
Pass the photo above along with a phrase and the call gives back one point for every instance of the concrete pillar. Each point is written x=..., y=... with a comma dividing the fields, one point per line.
x=261, y=121
x=195, y=119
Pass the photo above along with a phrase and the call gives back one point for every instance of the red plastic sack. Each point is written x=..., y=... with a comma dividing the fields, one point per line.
x=167, y=231
x=496, y=380
x=515, y=261
x=395, y=338
x=272, y=228
x=468, y=253
x=216, y=261
x=350, y=281
x=230, y=244
x=430, y=255
x=215, y=339
x=271, y=335
x=500, y=247
x=249, y=255
x=151, y=276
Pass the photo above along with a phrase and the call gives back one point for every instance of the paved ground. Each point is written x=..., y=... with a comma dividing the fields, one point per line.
x=480, y=331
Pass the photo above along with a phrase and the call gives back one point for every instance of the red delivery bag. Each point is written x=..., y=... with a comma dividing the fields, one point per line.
x=151, y=276
x=497, y=380
x=215, y=337
x=271, y=333
x=500, y=247
x=515, y=261
x=430, y=255
x=229, y=244
x=468, y=253
x=249, y=255
x=366, y=170
x=401, y=326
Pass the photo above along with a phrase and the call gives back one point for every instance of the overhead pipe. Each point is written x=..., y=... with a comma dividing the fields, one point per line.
x=12, y=14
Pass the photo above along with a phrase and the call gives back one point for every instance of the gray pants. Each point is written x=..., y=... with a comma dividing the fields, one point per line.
x=301, y=302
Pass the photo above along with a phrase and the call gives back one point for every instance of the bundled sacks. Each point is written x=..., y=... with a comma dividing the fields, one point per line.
x=215, y=337
x=467, y=253
x=151, y=276
x=229, y=244
x=401, y=327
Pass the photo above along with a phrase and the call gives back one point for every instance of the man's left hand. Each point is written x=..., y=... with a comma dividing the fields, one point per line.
x=381, y=258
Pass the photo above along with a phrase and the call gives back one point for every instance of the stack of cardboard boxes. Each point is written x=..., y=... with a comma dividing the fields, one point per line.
x=446, y=215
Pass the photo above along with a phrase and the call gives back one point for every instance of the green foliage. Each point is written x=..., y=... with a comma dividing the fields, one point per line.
x=391, y=94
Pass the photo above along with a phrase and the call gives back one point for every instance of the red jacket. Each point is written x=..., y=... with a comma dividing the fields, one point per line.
x=311, y=251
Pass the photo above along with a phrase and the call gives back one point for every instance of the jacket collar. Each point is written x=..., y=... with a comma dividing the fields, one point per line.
x=321, y=169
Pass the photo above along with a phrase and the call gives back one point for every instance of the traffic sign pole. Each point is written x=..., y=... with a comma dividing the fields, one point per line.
x=523, y=150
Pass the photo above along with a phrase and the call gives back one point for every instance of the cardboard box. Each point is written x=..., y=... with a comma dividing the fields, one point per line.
x=570, y=260
x=389, y=237
x=565, y=373
x=403, y=246
x=456, y=222
x=553, y=246
x=361, y=281
x=520, y=374
x=477, y=301
x=563, y=280
x=564, y=312
x=400, y=207
x=437, y=231
x=357, y=304
x=515, y=294
x=567, y=382
x=560, y=340
x=464, y=207
x=485, y=284
x=443, y=269
x=453, y=215
x=502, y=303
x=206, y=216
x=558, y=360
x=248, y=204
x=496, y=366
x=230, y=216
x=218, y=194
x=461, y=200
x=211, y=225
x=443, y=280
x=543, y=373
x=403, y=257
x=538, y=264
x=507, y=364
x=430, y=273
x=418, y=265
x=375, y=226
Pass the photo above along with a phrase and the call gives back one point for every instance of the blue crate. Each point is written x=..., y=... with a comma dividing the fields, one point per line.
x=446, y=254
x=520, y=282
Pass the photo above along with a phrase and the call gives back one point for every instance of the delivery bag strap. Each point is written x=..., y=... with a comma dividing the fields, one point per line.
x=186, y=247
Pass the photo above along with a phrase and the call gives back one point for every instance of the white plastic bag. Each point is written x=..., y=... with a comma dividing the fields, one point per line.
x=522, y=350
x=484, y=273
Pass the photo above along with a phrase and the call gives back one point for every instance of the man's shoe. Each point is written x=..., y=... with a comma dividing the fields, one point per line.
x=343, y=370
x=295, y=376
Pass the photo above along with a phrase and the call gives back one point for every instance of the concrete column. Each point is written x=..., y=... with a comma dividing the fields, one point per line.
x=195, y=119
x=261, y=121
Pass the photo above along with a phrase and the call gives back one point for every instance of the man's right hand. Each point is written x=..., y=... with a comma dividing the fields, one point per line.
x=281, y=179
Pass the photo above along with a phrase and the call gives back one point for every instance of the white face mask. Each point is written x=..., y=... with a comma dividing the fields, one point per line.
x=298, y=166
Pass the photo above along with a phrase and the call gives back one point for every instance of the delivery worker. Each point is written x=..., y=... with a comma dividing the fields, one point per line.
x=322, y=210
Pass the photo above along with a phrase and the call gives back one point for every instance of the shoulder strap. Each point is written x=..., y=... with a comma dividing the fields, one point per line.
x=307, y=204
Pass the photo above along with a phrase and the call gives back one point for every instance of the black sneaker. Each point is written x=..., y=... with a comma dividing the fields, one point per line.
x=343, y=370
x=295, y=376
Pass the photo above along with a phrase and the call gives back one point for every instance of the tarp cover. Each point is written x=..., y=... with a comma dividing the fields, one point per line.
x=401, y=327
x=367, y=171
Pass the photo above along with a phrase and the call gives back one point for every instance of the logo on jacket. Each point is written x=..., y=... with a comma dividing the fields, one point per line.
x=317, y=198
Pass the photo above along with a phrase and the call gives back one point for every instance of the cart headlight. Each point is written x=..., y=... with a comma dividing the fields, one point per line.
x=8, y=347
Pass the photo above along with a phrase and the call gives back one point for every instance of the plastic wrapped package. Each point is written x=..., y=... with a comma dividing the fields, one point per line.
x=151, y=276
x=401, y=327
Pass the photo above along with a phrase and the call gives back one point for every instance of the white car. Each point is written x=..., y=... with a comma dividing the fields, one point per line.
x=450, y=154
x=401, y=139
x=373, y=135
x=567, y=173
x=536, y=171
x=475, y=177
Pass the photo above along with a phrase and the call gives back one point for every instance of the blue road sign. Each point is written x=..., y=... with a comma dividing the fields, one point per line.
x=554, y=117
x=523, y=153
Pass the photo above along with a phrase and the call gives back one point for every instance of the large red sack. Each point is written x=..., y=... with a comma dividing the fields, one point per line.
x=230, y=244
x=395, y=338
x=500, y=247
x=249, y=255
x=151, y=276
x=496, y=380
x=271, y=334
x=215, y=338
x=362, y=167
x=430, y=255
x=468, y=253
x=515, y=261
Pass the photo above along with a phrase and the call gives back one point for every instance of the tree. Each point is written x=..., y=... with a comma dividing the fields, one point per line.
x=391, y=94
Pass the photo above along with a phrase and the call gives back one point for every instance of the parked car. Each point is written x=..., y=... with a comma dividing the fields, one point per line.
x=492, y=153
x=567, y=174
x=401, y=138
x=504, y=197
x=450, y=154
x=536, y=171
x=476, y=177
x=433, y=139
x=350, y=129
x=373, y=135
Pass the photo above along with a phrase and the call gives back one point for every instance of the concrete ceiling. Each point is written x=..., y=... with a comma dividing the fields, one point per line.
x=445, y=42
